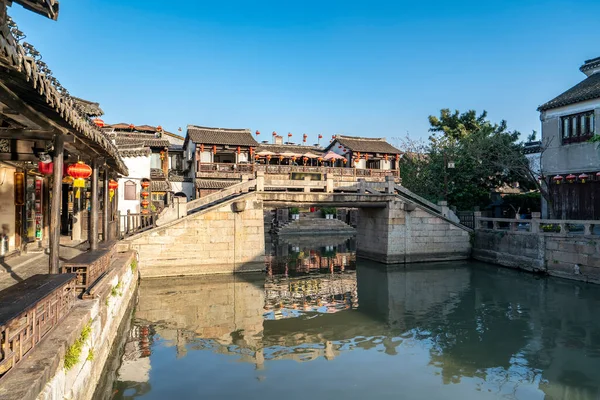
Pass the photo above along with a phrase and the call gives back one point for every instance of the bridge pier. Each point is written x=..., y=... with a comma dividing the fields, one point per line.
x=402, y=233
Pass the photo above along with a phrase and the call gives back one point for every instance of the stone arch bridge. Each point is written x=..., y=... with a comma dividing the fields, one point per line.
x=224, y=232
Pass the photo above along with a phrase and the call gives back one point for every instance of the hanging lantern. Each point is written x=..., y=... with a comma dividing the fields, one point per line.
x=45, y=168
x=293, y=158
x=239, y=150
x=305, y=159
x=557, y=179
x=320, y=159
x=366, y=157
x=145, y=184
x=385, y=157
x=256, y=157
x=131, y=126
x=159, y=128
x=320, y=136
x=397, y=157
x=274, y=133
x=144, y=194
x=145, y=211
x=304, y=138
x=344, y=161
x=280, y=158
x=201, y=148
x=251, y=151
x=214, y=149
x=257, y=133
x=289, y=134
x=79, y=171
x=583, y=177
x=98, y=122
x=571, y=178
x=269, y=157
x=145, y=203
x=162, y=155
x=112, y=186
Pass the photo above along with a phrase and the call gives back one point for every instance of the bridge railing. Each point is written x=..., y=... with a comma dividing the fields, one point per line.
x=561, y=227
x=204, y=168
x=241, y=187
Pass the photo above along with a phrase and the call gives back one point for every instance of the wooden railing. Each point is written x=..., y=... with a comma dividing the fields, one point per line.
x=220, y=195
x=536, y=225
x=30, y=309
x=90, y=266
x=130, y=224
x=287, y=169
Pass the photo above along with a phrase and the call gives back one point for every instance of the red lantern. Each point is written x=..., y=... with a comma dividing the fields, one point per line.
x=113, y=184
x=201, y=148
x=79, y=171
x=320, y=136
x=293, y=158
x=257, y=133
x=289, y=135
x=98, y=122
x=239, y=150
x=274, y=133
x=571, y=178
x=385, y=157
x=145, y=184
x=557, y=179
x=366, y=157
x=269, y=157
x=45, y=168
x=304, y=138
x=159, y=128
x=144, y=203
x=144, y=194
x=345, y=161
x=280, y=158
x=397, y=157
x=144, y=211
x=131, y=126
x=583, y=177
x=162, y=155
x=251, y=151
x=214, y=149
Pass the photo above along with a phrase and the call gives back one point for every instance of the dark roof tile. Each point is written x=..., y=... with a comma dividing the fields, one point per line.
x=365, y=145
x=213, y=184
x=284, y=148
x=160, y=186
x=222, y=136
x=587, y=89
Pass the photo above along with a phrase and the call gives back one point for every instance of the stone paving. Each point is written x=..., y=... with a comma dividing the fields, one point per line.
x=19, y=268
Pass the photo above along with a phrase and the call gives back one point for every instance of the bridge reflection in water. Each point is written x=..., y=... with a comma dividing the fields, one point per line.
x=461, y=330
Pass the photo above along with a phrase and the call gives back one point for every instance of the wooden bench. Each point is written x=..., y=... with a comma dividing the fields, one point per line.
x=28, y=311
x=90, y=266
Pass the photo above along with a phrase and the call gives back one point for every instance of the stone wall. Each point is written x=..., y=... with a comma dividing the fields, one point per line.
x=43, y=376
x=570, y=256
x=217, y=240
x=401, y=233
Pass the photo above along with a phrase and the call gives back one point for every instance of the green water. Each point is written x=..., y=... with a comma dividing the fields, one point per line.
x=320, y=325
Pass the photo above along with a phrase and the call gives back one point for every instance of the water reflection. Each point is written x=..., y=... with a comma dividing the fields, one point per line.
x=461, y=330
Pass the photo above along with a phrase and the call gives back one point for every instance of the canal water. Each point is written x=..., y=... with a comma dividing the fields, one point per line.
x=319, y=324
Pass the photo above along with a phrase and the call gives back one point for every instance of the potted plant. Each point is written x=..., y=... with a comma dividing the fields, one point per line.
x=295, y=212
x=328, y=212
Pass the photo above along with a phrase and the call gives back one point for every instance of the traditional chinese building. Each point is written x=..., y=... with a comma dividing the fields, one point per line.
x=50, y=150
x=216, y=157
x=366, y=153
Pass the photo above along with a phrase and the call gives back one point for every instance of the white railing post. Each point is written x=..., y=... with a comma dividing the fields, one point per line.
x=260, y=181
x=329, y=182
x=477, y=220
x=535, y=222
x=389, y=184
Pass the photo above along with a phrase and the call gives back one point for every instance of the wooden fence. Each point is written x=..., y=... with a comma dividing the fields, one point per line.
x=130, y=224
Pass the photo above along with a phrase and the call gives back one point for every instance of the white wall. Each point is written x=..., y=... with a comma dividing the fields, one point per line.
x=139, y=168
x=7, y=202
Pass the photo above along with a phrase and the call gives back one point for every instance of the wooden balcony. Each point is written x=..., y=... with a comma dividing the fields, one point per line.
x=30, y=309
x=218, y=170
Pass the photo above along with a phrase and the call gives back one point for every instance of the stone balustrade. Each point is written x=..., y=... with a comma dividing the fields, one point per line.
x=537, y=225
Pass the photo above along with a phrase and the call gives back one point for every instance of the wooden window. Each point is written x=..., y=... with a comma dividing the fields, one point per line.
x=577, y=128
x=130, y=191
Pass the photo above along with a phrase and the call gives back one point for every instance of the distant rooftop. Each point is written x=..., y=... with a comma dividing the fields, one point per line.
x=365, y=145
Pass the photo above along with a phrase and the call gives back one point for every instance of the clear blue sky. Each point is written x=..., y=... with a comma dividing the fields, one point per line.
x=366, y=68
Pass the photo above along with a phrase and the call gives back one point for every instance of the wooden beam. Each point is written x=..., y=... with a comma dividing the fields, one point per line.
x=105, y=208
x=55, y=205
x=18, y=157
x=33, y=134
x=93, y=231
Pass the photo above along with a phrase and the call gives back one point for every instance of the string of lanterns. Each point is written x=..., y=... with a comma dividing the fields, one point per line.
x=571, y=178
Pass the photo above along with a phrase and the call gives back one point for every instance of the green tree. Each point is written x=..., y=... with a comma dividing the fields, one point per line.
x=459, y=125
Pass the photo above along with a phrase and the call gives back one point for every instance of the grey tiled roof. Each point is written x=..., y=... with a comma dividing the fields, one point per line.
x=123, y=139
x=214, y=184
x=587, y=89
x=135, y=152
x=221, y=136
x=157, y=174
x=160, y=186
x=365, y=145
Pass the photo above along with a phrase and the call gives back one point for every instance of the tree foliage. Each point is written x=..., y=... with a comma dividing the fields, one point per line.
x=485, y=156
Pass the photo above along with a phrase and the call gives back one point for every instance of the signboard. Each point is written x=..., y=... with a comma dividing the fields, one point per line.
x=313, y=176
x=19, y=188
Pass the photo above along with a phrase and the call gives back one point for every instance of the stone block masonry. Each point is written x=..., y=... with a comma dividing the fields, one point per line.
x=565, y=255
x=217, y=240
x=397, y=234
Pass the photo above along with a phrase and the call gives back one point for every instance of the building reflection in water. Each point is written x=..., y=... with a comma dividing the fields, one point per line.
x=494, y=331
